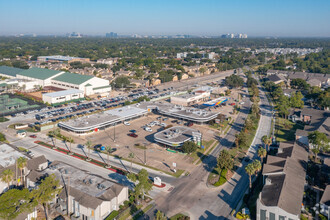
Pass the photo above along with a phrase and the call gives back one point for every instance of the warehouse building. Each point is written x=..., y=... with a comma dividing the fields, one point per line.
x=62, y=96
x=9, y=72
x=45, y=77
x=176, y=136
x=88, y=84
x=191, y=98
x=42, y=76
x=59, y=58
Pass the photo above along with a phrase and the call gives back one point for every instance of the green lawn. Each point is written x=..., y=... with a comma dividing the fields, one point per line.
x=3, y=119
x=200, y=153
x=177, y=216
x=285, y=130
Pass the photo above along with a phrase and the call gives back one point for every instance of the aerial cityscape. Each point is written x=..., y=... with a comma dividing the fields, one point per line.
x=164, y=110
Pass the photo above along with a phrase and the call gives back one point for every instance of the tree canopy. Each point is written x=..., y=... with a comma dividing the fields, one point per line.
x=189, y=147
x=234, y=81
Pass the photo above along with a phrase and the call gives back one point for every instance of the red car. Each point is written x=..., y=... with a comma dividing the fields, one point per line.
x=133, y=135
x=33, y=136
x=190, y=124
x=233, y=103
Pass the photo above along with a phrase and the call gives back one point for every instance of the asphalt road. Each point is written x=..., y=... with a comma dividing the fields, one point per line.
x=191, y=194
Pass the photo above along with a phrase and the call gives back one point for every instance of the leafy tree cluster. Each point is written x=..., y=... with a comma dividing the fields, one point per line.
x=314, y=62
x=144, y=185
x=234, y=81
x=121, y=82
x=319, y=141
x=16, y=201
x=189, y=147
x=299, y=84
x=225, y=160
x=2, y=137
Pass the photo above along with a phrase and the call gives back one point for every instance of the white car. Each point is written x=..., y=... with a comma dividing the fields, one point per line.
x=242, y=103
x=126, y=123
x=163, y=124
x=148, y=129
x=151, y=124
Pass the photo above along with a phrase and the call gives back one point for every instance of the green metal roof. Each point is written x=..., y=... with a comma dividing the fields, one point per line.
x=73, y=78
x=101, y=87
x=88, y=85
x=3, y=84
x=10, y=71
x=39, y=73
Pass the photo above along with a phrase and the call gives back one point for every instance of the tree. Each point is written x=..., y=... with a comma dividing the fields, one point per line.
x=21, y=164
x=89, y=144
x=2, y=137
x=266, y=140
x=131, y=156
x=234, y=81
x=249, y=169
x=262, y=153
x=251, y=81
x=70, y=140
x=7, y=176
x=53, y=134
x=256, y=166
x=108, y=150
x=319, y=141
x=299, y=84
x=189, y=147
x=296, y=100
x=144, y=185
x=14, y=202
x=202, y=70
x=225, y=160
x=46, y=191
x=160, y=216
x=121, y=82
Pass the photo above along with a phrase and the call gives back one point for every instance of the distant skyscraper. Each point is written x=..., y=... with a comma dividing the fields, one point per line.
x=111, y=35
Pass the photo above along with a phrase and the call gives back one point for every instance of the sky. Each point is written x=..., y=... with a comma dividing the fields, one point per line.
x=278, y=18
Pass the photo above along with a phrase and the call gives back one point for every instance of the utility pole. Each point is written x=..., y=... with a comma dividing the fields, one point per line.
x=145, y=154
x=68, y=199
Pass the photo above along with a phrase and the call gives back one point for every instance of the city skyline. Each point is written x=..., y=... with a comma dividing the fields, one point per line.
x=208, y=18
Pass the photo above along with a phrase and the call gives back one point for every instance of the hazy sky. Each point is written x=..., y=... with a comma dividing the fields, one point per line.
x=204, y=17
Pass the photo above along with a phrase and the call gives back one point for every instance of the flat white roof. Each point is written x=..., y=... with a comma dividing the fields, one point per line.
x=125, y=111
x=8, y=155
x=63, y=93
x=59, y=57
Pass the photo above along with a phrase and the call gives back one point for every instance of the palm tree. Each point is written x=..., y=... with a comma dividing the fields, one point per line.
x=21, y=164
x=266, y=140
x=70, y=140
x=131, y=155
x=249, y=169
x=262, y=153
x=89, y=144
x=54, y=134
x=108, y=150
x=7, y=176
x=257, y=166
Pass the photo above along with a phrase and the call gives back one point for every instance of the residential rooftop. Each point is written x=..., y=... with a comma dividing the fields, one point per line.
x=8, y=155
x=88, y=189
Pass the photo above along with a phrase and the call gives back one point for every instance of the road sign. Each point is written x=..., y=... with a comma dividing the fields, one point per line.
x=203, y=147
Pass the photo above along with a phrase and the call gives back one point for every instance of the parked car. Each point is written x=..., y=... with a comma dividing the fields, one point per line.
x=189, y=124
x=148, y=129
x=133, y=135
x=126, y=123
x=165, y=119
x=163, y=124
x=33, y=136
x=232, y=104
x=30, y=153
